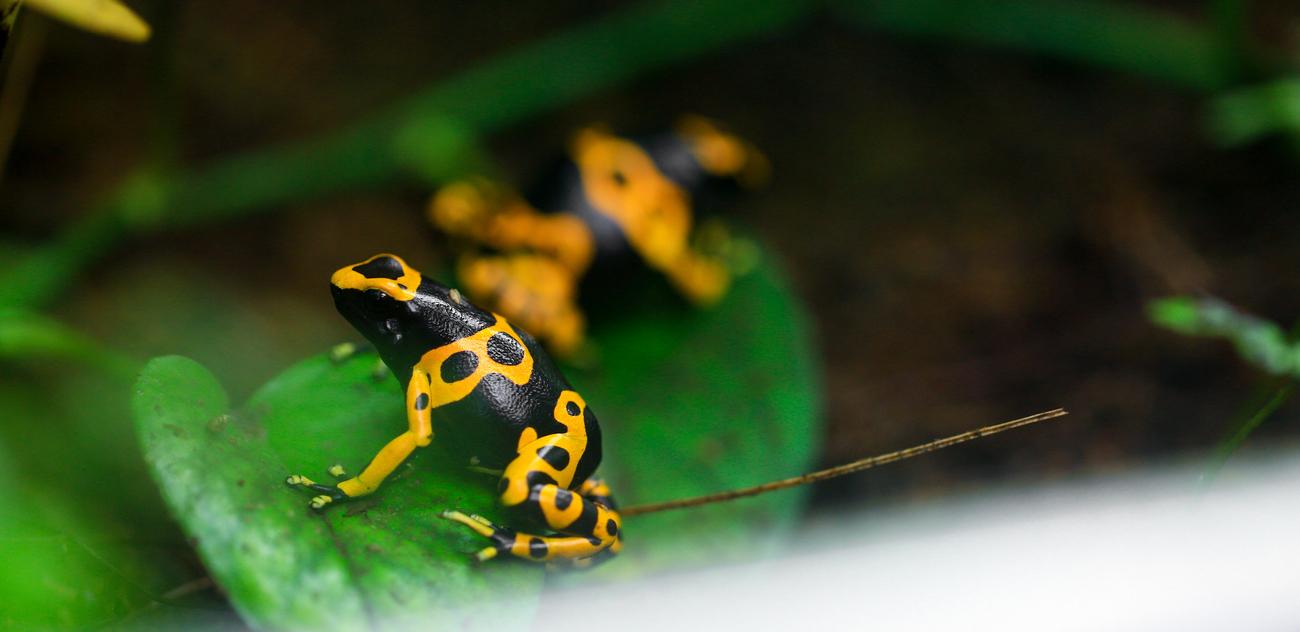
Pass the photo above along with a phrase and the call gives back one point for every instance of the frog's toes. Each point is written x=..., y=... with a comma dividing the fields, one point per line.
x=326, y=494
x=337, y=471
x=502, y=539
x=478, y=524
x=298, y=480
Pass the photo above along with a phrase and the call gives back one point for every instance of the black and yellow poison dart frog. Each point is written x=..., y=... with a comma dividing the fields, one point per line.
x=487, y=389
x=612, y=203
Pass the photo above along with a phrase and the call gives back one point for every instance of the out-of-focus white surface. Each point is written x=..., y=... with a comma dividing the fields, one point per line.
x=1140, y=552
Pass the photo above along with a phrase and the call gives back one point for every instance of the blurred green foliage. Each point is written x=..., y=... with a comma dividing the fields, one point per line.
x=1118, y=35
x=30, y=335
x=1259, y=342
x=1249, y=114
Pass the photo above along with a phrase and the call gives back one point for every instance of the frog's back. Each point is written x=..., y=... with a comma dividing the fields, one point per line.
x=511, y=389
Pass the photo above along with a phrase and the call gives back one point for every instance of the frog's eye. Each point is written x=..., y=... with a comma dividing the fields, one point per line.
x=379, y=301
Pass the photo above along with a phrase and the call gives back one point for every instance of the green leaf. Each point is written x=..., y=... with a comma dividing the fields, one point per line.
x=699, y=401
x=1257, y=341
x=65, y=565
x=1123, y=36
x=1176, y=313
x=1247, y=114
x=690, y=401
x=283, y=565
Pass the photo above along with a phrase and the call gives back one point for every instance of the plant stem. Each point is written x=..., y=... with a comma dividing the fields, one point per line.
x=841, y=470
x=1111, y=35
x=1227, y=447
x=28, y=335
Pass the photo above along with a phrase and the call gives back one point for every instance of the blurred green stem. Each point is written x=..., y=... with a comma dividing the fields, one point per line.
x=1111, y=35
x=1248, y=114
x=431, y=137
x=29, y=335
x=1231, y=20
x=1245, y=428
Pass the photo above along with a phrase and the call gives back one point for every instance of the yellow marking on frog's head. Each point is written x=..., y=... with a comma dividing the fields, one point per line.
x=384, y=272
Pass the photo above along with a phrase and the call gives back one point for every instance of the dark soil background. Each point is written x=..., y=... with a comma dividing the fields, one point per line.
x=975, y=233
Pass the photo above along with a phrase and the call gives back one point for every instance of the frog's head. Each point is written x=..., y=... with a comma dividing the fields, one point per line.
x=400, y=311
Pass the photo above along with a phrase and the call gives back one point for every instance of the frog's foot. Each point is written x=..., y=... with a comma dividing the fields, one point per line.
x=503, y=540
x=567, y=550
x=326, y=494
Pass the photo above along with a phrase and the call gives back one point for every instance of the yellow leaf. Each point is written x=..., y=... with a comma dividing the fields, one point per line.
x=106, y=17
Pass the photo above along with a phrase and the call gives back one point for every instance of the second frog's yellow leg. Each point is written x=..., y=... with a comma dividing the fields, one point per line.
x=538, y=293
x=493, y=216
x=722, y=154
x=419, y=433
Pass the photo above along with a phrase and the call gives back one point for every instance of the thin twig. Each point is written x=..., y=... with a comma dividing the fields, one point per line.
x=841, y=470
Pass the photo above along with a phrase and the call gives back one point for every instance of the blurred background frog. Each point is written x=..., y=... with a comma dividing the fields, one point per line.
x=610, y=208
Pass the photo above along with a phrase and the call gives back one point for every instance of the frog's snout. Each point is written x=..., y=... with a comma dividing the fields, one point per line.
x=339, y=296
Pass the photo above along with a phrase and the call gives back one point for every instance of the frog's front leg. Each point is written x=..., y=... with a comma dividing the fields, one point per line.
x=419, y=433
x=535, y=483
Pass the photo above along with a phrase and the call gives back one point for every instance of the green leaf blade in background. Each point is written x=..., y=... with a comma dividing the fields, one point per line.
x=26, y=334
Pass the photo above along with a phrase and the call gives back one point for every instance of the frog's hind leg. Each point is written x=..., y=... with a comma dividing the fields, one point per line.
x=596, y=489
x=577, y=551
x=535, y=484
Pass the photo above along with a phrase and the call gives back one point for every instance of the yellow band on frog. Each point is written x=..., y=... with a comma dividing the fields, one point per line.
x=384, y=272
